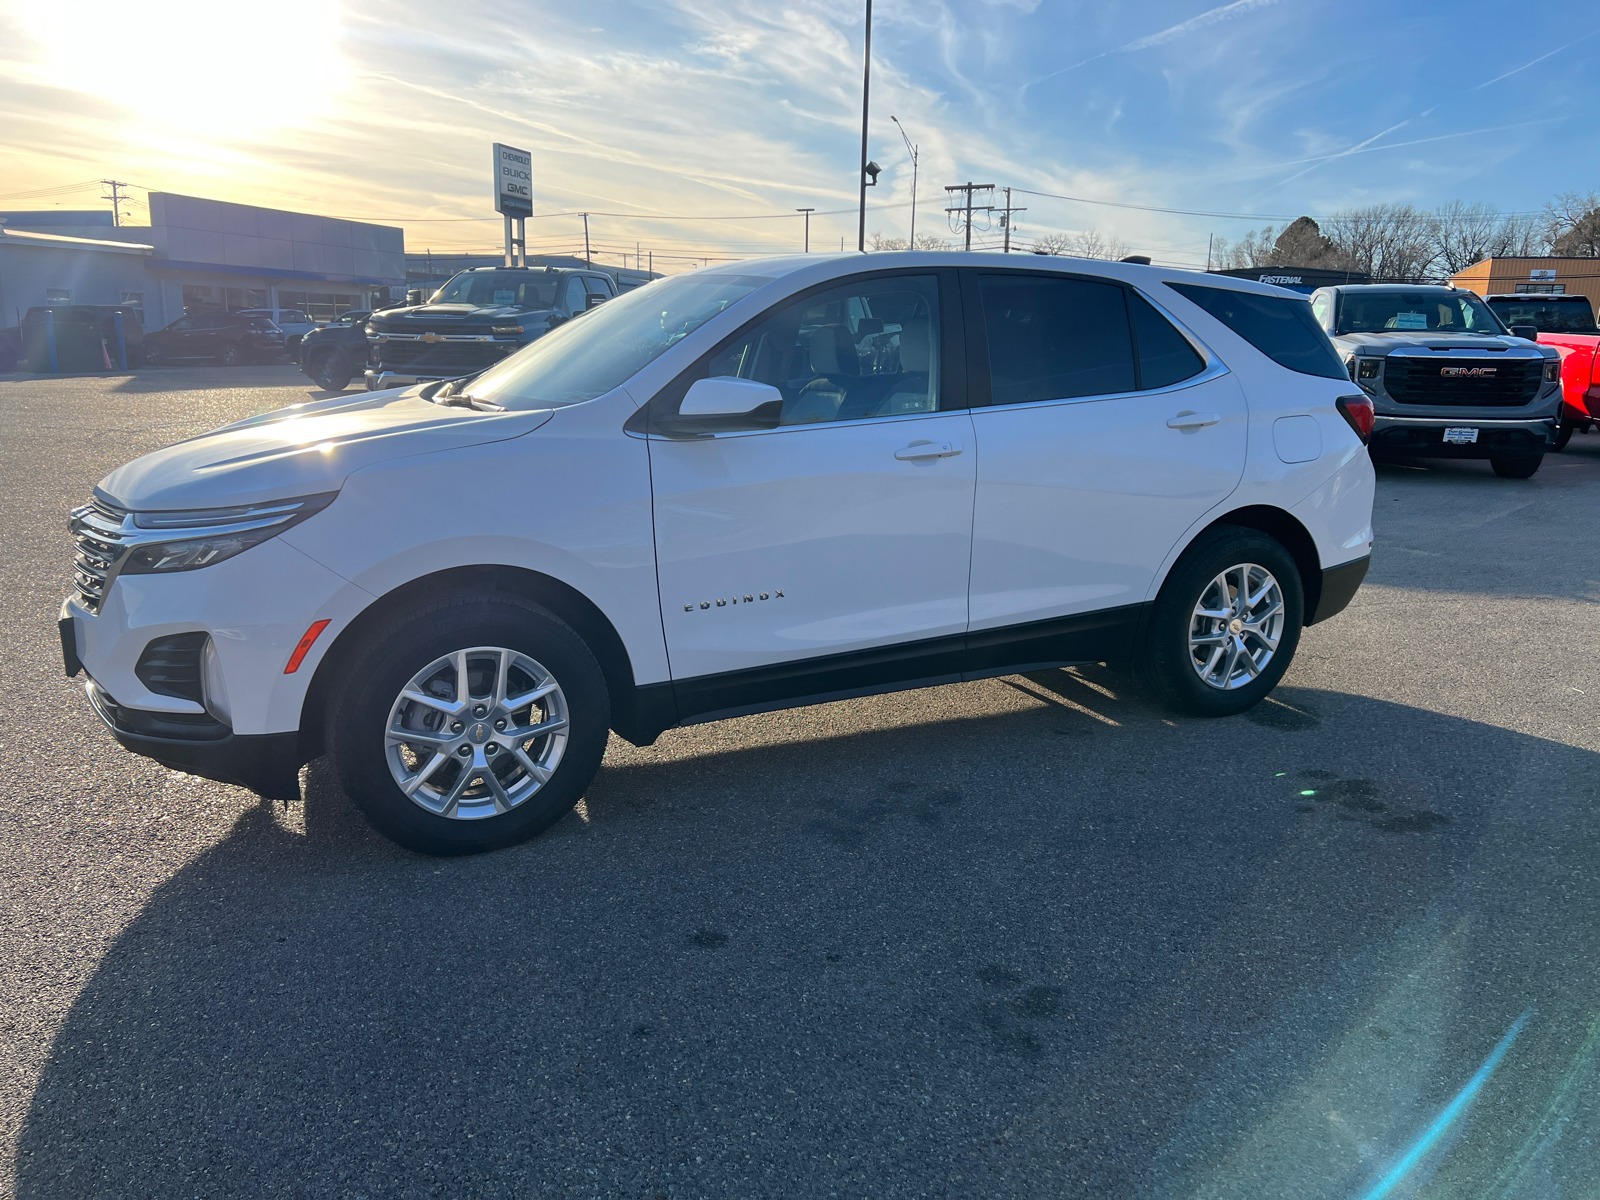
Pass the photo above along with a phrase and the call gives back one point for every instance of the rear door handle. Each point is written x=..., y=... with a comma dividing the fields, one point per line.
x=1192, y=420
x=927, y=450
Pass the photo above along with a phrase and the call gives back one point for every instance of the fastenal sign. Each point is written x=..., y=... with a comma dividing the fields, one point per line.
x=513, y=181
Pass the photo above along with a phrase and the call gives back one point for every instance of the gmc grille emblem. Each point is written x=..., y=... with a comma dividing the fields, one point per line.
x=1467, y=372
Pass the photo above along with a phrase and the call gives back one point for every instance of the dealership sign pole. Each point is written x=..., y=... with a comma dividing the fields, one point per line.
x=513, y=195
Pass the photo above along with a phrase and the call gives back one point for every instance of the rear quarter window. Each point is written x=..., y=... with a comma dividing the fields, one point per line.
x=1282, y=328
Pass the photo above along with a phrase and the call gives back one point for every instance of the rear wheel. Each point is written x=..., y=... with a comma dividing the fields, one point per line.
x=468, y=723
x=1516, y=468
x=1225, y=624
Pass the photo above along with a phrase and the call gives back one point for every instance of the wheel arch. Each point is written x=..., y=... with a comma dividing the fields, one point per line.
x=571, y=605
x=1285, y=528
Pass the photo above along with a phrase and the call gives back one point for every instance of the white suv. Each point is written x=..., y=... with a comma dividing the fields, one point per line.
x=729, y=491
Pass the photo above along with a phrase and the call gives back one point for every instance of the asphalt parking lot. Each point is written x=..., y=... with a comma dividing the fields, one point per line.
x=1028, y=937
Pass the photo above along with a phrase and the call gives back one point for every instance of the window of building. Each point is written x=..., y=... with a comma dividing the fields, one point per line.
x=58, y=295
x=238, y=299
x=1542, y=289
x=134, y=298
x=198, y=297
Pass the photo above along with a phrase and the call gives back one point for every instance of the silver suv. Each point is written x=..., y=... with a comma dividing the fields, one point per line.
x=1447, y=379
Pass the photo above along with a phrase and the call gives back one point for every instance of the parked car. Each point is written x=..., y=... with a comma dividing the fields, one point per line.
x=476, y=319
x=735, y=490
x=224, y=337
x=1567, y=323
x=79, y=331
x=1445, y=376
x=335, y=353
x=294, y=322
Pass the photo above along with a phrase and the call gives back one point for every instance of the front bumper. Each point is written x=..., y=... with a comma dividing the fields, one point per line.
x=1423, y=437
x=198, y=744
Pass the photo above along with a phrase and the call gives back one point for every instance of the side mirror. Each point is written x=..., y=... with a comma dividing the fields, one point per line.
x=1531, y=332
x=726, y=396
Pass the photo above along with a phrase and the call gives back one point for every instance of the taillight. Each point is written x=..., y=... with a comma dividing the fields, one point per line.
x=1359, y=412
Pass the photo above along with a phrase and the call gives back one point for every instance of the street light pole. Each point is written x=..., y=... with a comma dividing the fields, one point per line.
x=866, y=88
x=912, y=244
x=808, y=212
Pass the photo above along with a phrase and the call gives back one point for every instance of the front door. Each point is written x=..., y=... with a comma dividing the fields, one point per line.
x=841, y=524
x=1104, y=436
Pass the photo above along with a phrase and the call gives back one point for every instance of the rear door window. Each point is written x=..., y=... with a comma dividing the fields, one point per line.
x=1053, y=338
x=1283, y=329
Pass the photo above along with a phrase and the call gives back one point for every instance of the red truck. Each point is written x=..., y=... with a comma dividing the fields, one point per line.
x=1567, y=323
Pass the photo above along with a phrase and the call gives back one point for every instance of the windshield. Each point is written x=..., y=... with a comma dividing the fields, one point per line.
x=500, y=289
x=1548, y=315
x=1400, y=312
x=591, y=354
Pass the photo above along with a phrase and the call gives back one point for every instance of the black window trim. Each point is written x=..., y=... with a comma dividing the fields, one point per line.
x=979, y=390
x=954, y=355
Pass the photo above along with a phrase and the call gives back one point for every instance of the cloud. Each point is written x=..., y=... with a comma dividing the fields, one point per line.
x=1535, y=62
x=1173, y=33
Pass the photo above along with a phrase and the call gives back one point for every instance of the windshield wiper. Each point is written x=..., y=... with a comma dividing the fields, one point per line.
x=448, y=397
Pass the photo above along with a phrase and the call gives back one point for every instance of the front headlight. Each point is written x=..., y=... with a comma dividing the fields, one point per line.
x=1368, y=367
x=1552, y=370
x=505, y=329
x=186, y=540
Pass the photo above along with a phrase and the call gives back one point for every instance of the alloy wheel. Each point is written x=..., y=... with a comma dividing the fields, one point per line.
x=1236, y=626
x=476, y=732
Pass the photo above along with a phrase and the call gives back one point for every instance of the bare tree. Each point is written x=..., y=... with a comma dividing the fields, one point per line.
x=1391, y=242
x=879, y=242
x=1053, y=243
x=1464, y=234
x=1572, y=224
x=1090, y=243
x=932, y=241
x=1253, y=250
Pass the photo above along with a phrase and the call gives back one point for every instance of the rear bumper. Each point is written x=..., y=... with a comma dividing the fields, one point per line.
x=1339, y=585
x=1423, y=437
x=198, y=744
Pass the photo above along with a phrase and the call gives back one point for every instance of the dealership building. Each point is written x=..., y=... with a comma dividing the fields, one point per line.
x=197, y=255
x=1546, y=276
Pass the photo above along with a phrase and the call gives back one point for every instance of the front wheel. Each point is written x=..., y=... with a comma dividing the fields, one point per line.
x=331, y=371
x=1516, y=468
x=1225, y=624
x=231, y=355
x=468, y=723
x=1563, y=434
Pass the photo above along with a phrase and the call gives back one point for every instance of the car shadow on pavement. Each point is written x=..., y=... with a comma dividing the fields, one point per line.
x=1078, y=948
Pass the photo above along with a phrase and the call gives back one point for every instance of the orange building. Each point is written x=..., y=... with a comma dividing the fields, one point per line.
x=1503, y=276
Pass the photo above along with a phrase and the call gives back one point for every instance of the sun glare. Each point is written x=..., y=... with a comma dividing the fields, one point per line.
x=198, y=65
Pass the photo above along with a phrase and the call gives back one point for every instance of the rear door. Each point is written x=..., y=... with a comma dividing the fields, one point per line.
x=1103, y=433
x=840, y=524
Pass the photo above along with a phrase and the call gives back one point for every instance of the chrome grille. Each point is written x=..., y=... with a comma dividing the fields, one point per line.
x=100, y=534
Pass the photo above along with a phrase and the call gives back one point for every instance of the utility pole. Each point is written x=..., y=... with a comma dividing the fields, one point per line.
x=968, y=189
x=912, y=244
x=116, y=200
x=866, y=82
x=586, y=261
x=1005, y=220
x=651, y=268
x=1210, y=237
x=808, y=212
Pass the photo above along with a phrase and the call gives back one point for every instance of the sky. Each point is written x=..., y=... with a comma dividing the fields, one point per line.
x=691, y=129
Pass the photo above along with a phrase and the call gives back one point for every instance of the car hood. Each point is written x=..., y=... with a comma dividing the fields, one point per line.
x=1387, y=343
x=303, y=449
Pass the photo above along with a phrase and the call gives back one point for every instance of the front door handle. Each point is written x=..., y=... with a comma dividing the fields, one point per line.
x=927, y=450
x=1192, y=420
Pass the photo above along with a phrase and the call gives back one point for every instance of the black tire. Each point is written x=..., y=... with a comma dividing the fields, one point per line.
x=404, y=644
x=1563, y=434
x=153, y=356
x=1516, y=468
x=1164, y=664
x=330, y=370
x=231, y=356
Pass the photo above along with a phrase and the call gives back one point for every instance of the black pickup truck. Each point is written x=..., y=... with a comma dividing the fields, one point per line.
x=335, y=353
x=477, y=318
